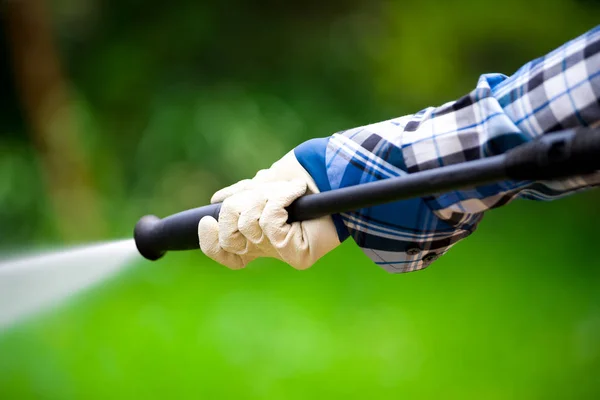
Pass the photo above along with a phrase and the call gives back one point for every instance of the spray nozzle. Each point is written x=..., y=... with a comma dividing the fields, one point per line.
x=154, y=236
x=146, y=235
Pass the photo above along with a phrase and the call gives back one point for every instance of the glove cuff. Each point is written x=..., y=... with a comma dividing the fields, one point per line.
x=288, y=168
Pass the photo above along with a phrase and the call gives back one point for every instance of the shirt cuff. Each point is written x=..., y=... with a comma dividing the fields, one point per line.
x=312, y=156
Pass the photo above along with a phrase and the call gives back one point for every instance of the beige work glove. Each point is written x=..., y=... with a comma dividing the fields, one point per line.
x=253, y=220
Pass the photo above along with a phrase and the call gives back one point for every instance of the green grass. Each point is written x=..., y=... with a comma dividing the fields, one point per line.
x=513, y=312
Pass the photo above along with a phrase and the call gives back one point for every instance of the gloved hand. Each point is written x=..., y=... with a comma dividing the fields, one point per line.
x=253, y=220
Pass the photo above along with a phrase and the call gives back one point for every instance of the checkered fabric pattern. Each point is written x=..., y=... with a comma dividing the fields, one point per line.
x=558, y=91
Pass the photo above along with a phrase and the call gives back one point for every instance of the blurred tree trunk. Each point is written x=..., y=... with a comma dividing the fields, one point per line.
x=52, y=119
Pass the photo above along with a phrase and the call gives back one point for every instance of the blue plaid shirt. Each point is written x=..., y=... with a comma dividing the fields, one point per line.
x=558, y=91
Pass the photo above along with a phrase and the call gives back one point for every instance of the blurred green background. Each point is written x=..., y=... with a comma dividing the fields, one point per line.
x=111, y=110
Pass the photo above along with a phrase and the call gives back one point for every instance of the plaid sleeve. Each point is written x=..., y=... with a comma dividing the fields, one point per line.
x=558, y=91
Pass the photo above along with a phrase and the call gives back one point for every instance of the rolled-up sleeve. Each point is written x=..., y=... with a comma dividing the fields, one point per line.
x=558, y=91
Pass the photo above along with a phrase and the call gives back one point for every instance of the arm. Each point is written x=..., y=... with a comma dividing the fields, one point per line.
x=558, y=91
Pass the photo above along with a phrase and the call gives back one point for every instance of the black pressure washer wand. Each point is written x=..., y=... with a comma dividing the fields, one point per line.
x=555, y=155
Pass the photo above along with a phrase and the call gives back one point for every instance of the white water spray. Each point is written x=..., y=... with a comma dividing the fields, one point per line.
x=34, y=283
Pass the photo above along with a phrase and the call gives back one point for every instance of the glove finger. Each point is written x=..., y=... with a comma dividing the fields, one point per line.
x=230, y=238
x=286, y=238
x=279, y=196
x=229, y=191
x=208, y=235
x=248, y=223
